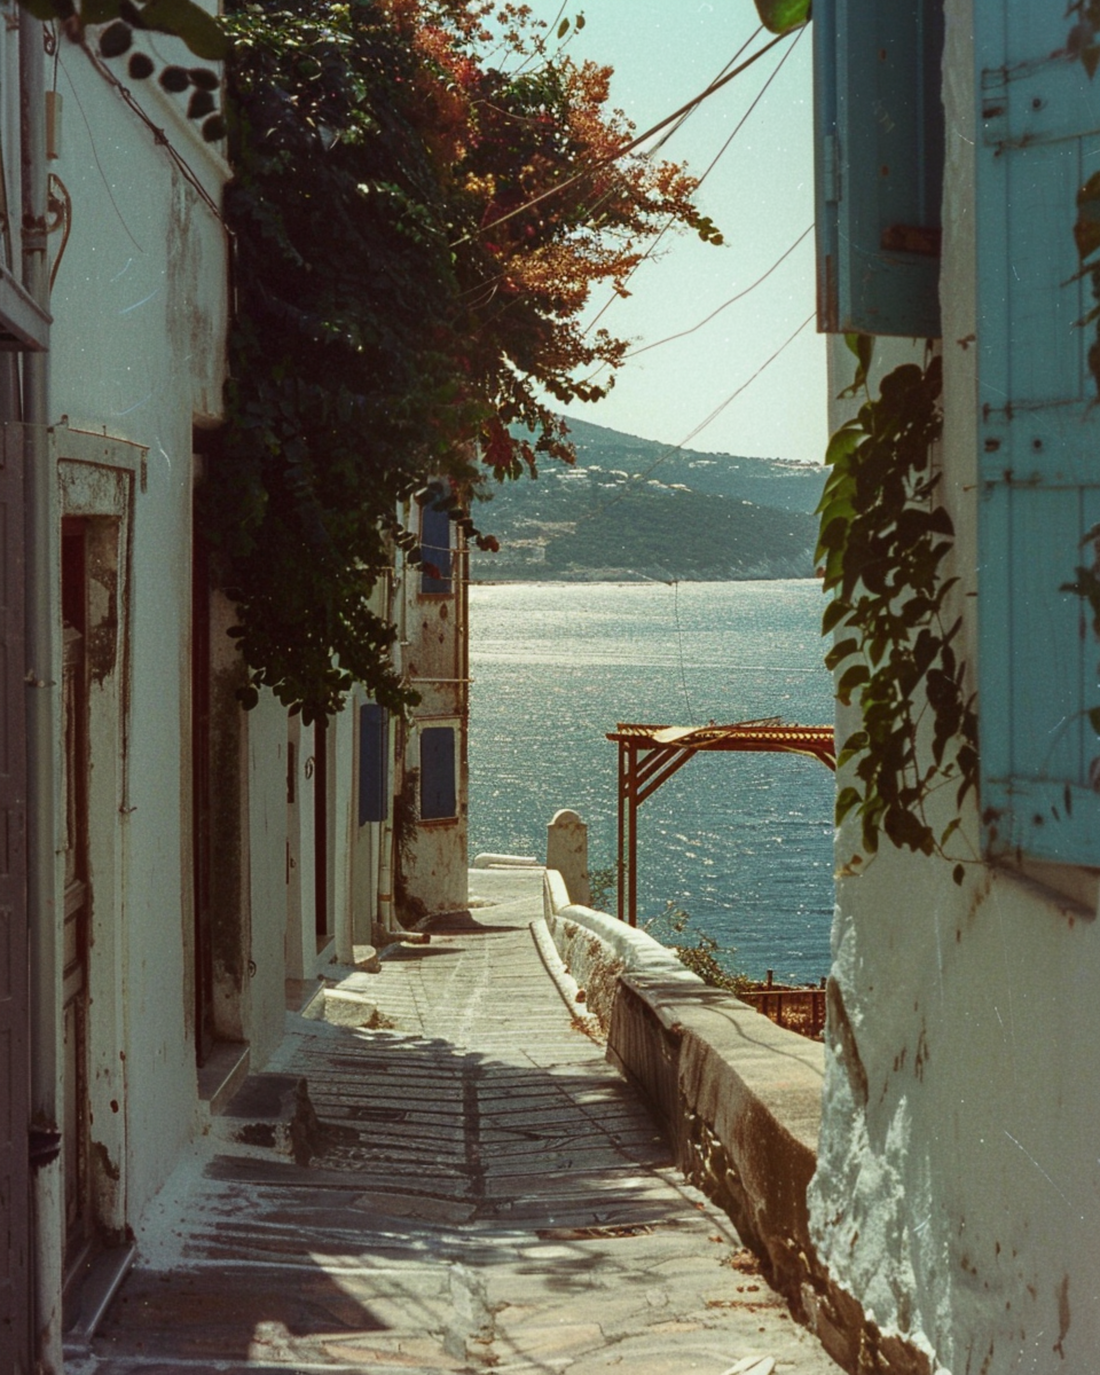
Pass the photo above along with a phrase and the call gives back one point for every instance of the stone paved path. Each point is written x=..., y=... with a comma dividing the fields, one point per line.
x=486, y=1193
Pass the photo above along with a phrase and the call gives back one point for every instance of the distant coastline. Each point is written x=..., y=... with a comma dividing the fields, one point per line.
x=620, y=577
x=632, y=510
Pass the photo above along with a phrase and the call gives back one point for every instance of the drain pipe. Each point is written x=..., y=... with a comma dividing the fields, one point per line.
x=42, y=557
x=386, y=831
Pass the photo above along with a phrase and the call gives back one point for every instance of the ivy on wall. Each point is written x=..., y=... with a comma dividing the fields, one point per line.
x=183, y=18
x=883, y=544
x=1082, y=44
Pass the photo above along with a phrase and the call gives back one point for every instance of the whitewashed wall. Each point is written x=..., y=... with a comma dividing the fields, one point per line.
x=436, y=664
x=139, y=307
x=959, y=1174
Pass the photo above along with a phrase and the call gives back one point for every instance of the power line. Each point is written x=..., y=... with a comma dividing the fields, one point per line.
x=628, y=147
x=718, y=309
x=671, y=133
x=675, y=448
x=713, y=163
x=733, y=397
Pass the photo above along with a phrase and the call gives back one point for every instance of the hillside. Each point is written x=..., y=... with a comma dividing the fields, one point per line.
x=630, y=509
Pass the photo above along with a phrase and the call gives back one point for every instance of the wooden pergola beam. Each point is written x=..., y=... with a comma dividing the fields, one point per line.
x=650, y=755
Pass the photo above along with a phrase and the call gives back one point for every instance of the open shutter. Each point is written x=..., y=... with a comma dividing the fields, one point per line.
x=374, y=740
x=879, y=165
x=437, y=773
x=1038, y=439
x=435, y=547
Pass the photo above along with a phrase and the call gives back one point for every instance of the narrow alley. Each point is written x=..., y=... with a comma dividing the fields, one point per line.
x=467, y=1185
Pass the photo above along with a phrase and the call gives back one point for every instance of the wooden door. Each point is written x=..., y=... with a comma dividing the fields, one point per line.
x=75, y=1122
x=322, y=897
x=201, y=812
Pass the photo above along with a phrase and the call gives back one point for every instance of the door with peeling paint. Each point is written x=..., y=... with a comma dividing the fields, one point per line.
x=75, y=1124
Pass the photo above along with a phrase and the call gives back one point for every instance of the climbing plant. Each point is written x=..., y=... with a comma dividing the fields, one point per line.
x=421, y=203
x=1082, y=43
x=781, y=16
x=186, y=20
x=883, y=544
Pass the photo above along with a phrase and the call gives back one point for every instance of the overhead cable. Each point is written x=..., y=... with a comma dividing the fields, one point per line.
x=668, y=339
x=706, y=173
x=628, y=147
x=675, y=448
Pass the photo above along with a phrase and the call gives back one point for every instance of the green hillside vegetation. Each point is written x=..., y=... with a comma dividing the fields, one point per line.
x=687, y=535
x=630, y=509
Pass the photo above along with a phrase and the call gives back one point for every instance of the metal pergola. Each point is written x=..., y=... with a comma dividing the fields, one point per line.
x=649, y=755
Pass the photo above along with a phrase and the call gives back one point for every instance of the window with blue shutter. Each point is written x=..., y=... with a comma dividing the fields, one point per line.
x=374, y=753
x=879, y=164
x=435, y=549
x=1038, y=437
x=437, y=773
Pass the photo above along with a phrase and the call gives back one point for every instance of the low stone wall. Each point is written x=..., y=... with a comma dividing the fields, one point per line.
x=740, y=1101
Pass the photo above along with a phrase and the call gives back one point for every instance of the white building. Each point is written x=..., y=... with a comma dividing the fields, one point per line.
x=176, y=870
x=959, y=1177
x=432, y=788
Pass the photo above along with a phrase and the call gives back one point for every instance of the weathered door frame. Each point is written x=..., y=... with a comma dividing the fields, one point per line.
x=99, y=482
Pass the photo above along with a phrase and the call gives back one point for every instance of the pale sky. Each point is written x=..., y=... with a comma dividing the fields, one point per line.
x=760, y=195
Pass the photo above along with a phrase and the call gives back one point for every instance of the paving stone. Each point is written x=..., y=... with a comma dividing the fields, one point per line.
x=486, y=1193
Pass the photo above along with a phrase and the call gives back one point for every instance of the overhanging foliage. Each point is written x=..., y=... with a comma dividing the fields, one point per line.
x=405, y=291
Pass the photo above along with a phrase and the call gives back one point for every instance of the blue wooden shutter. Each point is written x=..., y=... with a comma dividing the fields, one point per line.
x=435, y=546
x=437, y=772
x=374, y=740
x=879, y=164
x=1038, y=436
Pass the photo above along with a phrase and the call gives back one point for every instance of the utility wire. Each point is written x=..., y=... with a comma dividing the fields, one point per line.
x=675, y=448
x=733, y=397
x=628, y=147
x=713, y=163
x=682, y=334
x=675, y=129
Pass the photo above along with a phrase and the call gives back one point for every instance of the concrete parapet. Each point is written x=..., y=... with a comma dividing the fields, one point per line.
x=739, y=1099
x=487, y=861
x=567, y=852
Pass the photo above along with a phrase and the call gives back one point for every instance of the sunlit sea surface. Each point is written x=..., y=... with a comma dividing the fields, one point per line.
x=742, y=842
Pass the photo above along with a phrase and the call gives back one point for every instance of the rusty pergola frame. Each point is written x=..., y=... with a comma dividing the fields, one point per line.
x=649, y=755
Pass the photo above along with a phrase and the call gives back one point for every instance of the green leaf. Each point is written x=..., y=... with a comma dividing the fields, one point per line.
x=563, y=28
x=115, y=39
x=835, y=612
x=780, y=16
x=846, y=799
x=99, y=11
x=852, y=678
x=840, y=652
x=44, y=10
x=958, y=874
x=1094, y=718
x=846, y=440
x=200, y=31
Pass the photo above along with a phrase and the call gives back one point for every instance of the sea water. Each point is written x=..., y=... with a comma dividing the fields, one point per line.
x=741, y=842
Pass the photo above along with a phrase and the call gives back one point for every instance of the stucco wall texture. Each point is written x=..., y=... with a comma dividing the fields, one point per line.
x=958, y=1177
